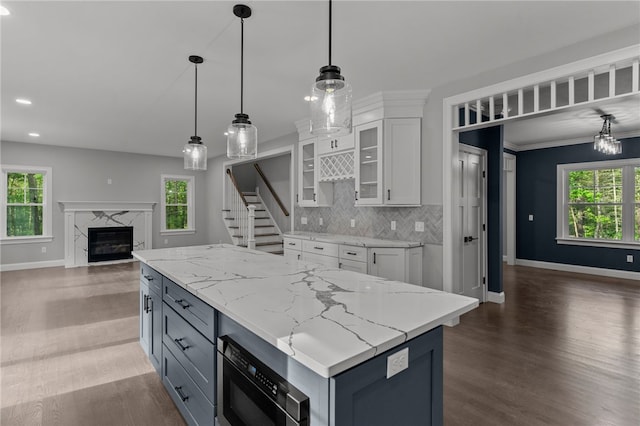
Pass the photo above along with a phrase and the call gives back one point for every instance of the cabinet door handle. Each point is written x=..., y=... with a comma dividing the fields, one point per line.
x=182, y=396
x=356, y=195
x=297, y=198
x=148, y=277
x=351, y=253
x=319, y=248
x=182, y=303
x=145, y=304
x=374, y=257
x=314, y=196
x=388, y=195
x=340, y=265
x=179, y=343
x=331, y=144
x=336, y=143
x=298, y=257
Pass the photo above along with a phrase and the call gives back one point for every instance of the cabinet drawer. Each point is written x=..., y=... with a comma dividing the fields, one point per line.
x=292, y=244
x=195, y=353
x=200, y=315
x=353, y=253
x=335, y=144
x=352, y=265
x=330, y=261
x=151, y=277
x=325, y=249
x=192, y=403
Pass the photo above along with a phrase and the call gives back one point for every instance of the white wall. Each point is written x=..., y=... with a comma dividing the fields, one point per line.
x=81, y=175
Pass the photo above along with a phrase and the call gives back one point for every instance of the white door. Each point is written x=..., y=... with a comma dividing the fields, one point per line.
x=472, y=215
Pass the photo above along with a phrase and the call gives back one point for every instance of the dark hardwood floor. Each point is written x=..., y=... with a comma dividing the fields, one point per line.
x=563, y=350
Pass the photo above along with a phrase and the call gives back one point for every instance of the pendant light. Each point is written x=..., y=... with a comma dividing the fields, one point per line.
x=330, y=99
x=604, y=141
x=195, y=153
x=242, y=136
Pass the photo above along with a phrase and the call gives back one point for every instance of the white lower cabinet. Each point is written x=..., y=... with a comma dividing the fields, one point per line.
x=394, y=263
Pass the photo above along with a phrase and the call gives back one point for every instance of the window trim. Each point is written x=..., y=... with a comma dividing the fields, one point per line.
x=47, y=209
x=191, y=228
x=628, y=203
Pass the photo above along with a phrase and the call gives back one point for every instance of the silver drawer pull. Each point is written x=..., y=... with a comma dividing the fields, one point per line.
x=319, y=248
x=179, y=343
x=148, y=277
x=292, y=244
x=182, y=396
x=352, y=253
x=182, y=303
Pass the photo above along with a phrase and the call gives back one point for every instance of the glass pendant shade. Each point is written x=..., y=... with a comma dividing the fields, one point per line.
x=195, y=155
x=242, y=138
x=330, y=103
x=604, y=141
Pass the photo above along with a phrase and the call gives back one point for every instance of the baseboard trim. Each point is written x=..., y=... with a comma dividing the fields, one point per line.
x=614, y=273
x=494, y=297
x=31, y=265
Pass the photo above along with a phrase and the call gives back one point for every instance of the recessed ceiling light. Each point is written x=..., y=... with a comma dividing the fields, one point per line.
x=23, y=101
x=35, y=135
x=4, y=11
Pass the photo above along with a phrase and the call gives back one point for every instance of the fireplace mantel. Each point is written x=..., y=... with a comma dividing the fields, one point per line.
x=75, y=206
x=80, y=215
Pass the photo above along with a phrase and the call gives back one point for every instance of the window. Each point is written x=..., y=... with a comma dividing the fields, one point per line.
x=599, y=203
x=26, y=204
x=177, y=205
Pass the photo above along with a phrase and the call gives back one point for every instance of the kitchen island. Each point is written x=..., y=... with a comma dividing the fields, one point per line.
x=322, y=329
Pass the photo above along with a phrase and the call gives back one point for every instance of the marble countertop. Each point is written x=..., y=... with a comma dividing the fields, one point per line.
x=351, y=240
x=327, y=319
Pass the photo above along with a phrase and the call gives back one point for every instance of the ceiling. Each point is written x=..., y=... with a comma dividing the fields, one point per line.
x=114, y=75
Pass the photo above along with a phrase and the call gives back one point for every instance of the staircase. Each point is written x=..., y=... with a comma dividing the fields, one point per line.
x=267, y=234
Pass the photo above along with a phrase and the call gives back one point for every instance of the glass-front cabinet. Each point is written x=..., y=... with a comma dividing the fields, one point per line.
x=311, y=193
x=368, y=158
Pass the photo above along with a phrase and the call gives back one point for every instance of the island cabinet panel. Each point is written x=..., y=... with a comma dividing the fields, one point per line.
x=194, y=352
x=364, y=395
x=194, y=406
x=151, y=315
x=190, y=307
x=145, y=320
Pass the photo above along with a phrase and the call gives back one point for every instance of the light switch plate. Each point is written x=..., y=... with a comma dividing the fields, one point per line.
x=303, y=220
x=530, y=218
x=629, y=258
x=419, y=226
x=397, y=362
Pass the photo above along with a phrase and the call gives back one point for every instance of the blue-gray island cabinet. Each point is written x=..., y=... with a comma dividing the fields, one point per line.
x=364, y=350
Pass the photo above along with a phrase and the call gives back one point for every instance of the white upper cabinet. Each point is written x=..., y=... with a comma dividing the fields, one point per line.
x=311, y=193
x=368, y=160
x=327, y=145
x=387, y=158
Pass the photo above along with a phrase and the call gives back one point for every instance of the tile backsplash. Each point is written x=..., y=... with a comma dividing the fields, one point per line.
x=372, y=222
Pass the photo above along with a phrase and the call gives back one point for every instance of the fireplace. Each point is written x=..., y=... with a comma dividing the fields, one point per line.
x=110, y=243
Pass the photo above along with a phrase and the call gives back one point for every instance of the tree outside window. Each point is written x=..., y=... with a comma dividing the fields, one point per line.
x=25, y=208
x=595, y=204
x=177, y=204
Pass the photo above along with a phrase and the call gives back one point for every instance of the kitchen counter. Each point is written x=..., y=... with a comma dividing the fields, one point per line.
x=327, y=319
x=350, y=240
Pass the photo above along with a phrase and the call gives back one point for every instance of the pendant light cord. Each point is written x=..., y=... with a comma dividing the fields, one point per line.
x=196, y=104
x=330, y=13
x=241, y=65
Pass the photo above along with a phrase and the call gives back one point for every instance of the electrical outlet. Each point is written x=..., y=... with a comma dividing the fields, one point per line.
x=419, y=226
x=44, y=249
x=353, y=223
x=109, y=181
x=393, y=225
x=397, y=362
x=629, y=258
x=303, y=220
x=320, y=222
x=530, y=218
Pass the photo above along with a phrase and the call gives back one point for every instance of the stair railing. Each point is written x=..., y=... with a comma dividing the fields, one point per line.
x=270, y=188
x=242, y=212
